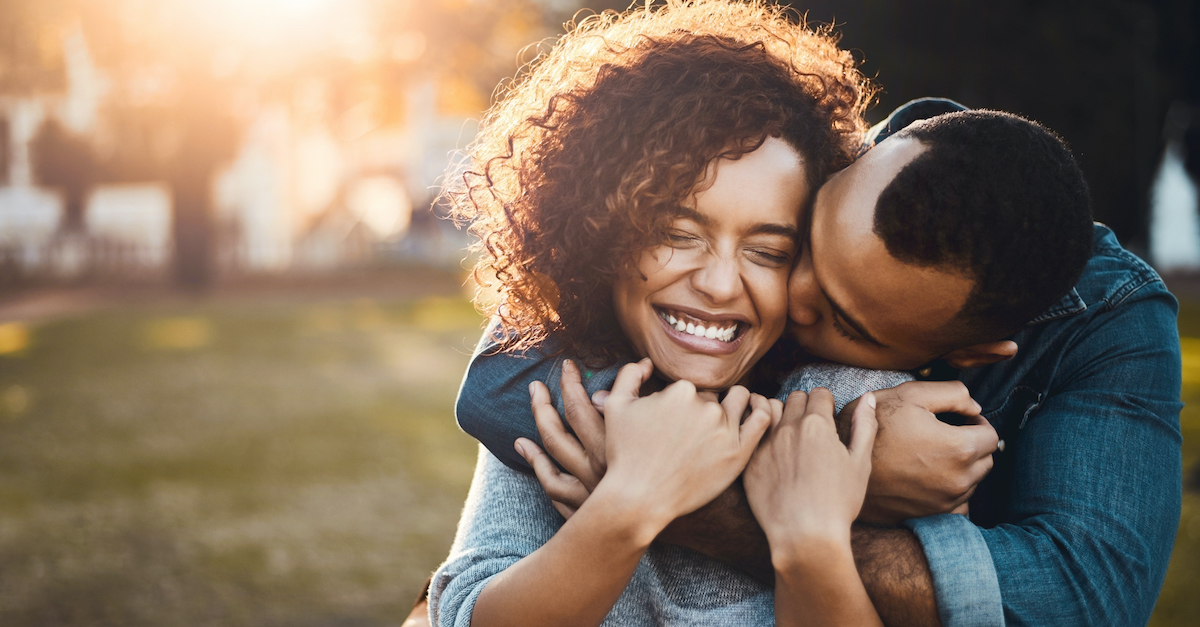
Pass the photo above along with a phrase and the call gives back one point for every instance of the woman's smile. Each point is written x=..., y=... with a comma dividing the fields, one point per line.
x=703, y=335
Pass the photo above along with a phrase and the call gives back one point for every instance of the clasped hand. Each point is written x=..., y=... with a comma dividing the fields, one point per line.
x=921, y=466
x=668, y=453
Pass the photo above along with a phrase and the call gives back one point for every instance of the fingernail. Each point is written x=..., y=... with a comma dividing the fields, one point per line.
x=520, y=449
x=870, y=400
x=532, y=389
x=568, y=365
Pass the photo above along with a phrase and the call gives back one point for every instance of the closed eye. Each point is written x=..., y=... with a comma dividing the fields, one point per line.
x=770, y=257
x=681, y=239
x=841, y=330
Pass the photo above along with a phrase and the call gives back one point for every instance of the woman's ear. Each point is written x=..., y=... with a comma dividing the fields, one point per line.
x=981, y=354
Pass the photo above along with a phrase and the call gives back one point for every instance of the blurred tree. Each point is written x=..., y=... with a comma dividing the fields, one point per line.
x=64, y=160
x=1102, y=73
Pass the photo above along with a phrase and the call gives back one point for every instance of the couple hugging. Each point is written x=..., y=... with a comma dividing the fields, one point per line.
x=684, y=206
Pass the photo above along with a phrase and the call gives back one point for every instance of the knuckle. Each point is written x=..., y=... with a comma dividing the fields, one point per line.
x=683, y=387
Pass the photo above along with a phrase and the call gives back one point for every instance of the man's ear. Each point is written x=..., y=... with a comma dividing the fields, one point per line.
x=981, y=354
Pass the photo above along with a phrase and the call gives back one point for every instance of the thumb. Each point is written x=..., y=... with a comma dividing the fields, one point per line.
x=863, y=427
x=598, y=400
x=629, y=382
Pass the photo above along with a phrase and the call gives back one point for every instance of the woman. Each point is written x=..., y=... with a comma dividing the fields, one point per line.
x=639, y=194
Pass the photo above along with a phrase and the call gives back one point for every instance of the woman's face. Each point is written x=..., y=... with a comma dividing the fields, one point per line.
x=714, y=297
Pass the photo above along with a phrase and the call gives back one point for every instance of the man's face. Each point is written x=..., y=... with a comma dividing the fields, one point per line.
x=849, y=300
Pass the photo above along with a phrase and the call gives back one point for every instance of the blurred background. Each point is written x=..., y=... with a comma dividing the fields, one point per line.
x=233, y=318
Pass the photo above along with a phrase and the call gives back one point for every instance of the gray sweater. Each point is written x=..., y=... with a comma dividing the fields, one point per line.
x=507, y=516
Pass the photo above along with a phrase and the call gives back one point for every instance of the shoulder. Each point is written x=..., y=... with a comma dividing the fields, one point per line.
x=1115, y=276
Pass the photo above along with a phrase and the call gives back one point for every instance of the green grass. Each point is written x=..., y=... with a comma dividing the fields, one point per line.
x=231, y=464
x=1179, y=604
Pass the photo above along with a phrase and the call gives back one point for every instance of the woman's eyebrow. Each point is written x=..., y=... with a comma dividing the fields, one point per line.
x=774, y=228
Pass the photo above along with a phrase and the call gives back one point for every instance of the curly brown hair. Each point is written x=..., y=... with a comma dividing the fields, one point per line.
x=583, y=162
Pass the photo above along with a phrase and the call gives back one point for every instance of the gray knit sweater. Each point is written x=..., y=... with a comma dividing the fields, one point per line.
x=507, y=516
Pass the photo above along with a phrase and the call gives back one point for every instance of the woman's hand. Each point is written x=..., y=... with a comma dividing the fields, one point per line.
x=675, y=450
x=806, y=488
x=803, y=484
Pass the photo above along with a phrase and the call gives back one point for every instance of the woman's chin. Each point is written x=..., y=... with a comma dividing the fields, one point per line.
x=701, y=372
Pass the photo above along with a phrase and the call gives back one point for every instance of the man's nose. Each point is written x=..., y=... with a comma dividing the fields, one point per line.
x=719, y=280
x=803, y=296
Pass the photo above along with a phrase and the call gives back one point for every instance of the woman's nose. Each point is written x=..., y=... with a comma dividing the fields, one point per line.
x=719, y=280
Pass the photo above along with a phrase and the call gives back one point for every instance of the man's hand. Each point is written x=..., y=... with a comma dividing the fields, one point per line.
x=921, y=465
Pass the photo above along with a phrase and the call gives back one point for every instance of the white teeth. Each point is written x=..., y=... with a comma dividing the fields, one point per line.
x=698, y=330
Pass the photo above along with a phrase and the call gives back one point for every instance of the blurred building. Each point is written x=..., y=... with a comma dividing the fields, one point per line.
x=308, y=187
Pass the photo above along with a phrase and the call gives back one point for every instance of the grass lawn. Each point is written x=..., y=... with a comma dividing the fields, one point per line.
x=290, y=462
x=231, y=464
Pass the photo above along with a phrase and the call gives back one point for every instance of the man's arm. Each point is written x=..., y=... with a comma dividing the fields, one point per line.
x=1091, y=504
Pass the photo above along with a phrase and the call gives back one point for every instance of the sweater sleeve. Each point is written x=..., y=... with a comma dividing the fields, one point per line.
x=506, y=517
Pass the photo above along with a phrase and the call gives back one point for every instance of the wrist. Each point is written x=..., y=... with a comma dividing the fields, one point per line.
x=628, y=513
x=809, y=556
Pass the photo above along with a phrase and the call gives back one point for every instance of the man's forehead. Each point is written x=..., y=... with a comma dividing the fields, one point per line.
x=856, y=189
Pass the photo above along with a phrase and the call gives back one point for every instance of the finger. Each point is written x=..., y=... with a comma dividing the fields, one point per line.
x=558, y=485
x=734, y=404
x=755, y=426
x=776, y=411
x=863, y=428
x=585, y=421
x=941, y=396
x=598, y=400
x=795, y=407
x=629, y=382
x=560, y=444
x=820, y=402
x=564, y=510
x=981, y=439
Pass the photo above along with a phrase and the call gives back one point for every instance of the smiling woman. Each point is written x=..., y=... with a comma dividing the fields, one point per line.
x=639, y=193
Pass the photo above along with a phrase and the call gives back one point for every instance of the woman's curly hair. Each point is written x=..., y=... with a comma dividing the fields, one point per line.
x=583, y=162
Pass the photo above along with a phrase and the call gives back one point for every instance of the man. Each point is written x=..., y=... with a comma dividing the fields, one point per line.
x=1075, y=523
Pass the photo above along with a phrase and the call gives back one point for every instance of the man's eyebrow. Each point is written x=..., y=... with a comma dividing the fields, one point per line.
x=854, y=324
x=768, y=228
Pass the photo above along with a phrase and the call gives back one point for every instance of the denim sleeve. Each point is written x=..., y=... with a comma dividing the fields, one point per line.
x=1095, y=496
x=493, y=400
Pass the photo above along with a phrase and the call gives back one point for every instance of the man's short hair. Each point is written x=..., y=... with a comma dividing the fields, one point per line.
x=998, y=199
